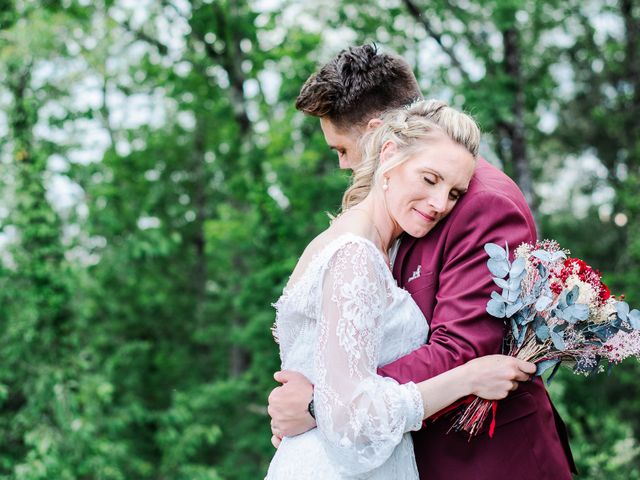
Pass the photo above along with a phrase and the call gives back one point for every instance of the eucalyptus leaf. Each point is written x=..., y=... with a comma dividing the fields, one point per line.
x=537, y=288
x=562, y=302
x=560, y=327
x=542, y=255
x=543, y=271
x=530, y=300
x=542, y=332
x=604, y=332
x=567, y=315
x=580, y=311
x=543, y=303
x=553, y=373
x=522, y=335
x=496, y=308
x=617, y=322
x=517, y=267
x=572, y=296
x=634, y=319
x=515, y=331
x=528, y=314
x=560, y=313
x=556, y=256
x=499, y=268
x=510, y=295
x=545, y=365
x=575, y=313
x=501, y=282
x=495, y=251
x=513, y=308
x=622, y=309
x=558, y=341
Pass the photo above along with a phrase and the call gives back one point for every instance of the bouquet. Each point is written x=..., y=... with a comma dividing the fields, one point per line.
x=559, y=312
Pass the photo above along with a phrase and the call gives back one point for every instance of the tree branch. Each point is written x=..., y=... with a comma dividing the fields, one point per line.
x=417, y=15
x=141, y=35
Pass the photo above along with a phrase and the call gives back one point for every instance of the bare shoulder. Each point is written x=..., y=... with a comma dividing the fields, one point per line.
x=340, y=226
x=354, y=223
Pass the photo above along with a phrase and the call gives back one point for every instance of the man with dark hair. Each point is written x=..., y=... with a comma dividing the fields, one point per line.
x=353, y=88
x=445, y=272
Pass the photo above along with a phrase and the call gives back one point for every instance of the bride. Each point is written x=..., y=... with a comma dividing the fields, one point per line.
x=342, y=315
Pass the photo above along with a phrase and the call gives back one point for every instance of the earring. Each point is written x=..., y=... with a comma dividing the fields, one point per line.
x=385, y=185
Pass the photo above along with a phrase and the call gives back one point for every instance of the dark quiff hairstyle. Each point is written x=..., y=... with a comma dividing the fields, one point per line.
x=357, y=85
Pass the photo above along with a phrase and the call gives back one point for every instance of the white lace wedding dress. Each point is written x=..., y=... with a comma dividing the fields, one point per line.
x=342, y=318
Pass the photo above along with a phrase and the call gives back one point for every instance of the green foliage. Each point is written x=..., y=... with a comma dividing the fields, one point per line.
x=135, y=326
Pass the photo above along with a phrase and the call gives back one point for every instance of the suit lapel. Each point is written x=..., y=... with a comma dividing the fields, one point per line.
x=398, y=266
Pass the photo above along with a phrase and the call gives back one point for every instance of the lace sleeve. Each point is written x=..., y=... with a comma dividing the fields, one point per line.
x=362, y=416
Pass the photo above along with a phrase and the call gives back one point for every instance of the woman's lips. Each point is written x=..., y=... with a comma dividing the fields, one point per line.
x=428, y=218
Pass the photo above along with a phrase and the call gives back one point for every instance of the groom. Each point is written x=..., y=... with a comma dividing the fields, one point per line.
x=446, y=274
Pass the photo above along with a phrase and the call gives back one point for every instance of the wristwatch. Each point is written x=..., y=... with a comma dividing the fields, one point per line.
x=311, y=409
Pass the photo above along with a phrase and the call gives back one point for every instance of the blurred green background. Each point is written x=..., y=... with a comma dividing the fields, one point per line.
x=157, y=186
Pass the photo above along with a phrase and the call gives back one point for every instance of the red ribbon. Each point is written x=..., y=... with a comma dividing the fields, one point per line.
x=492, y=426
x=444, y=411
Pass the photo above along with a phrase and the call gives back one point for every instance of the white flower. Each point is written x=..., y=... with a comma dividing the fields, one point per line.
x=587, y=294
x=523, y=251
x=604, y=312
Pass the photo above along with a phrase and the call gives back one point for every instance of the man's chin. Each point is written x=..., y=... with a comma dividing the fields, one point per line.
x=344, y=165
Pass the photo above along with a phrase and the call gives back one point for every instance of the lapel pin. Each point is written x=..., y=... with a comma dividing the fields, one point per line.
x=415, y=274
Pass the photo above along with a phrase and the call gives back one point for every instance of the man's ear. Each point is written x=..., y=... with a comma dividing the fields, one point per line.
x=374, y=123
x=388, y=150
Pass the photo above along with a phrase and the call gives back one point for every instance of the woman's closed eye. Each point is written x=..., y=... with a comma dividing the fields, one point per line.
x=430, y=180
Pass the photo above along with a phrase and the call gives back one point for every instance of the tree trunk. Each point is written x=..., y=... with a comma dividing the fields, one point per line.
x=517, y=131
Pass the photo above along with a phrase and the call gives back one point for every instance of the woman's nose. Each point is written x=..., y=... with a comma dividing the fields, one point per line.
x=439, y=202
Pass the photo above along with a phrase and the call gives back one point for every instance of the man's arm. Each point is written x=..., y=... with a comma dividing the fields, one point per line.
x=460, y=327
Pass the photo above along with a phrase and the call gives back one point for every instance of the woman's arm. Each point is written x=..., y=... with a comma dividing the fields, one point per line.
x=491, y=377
x=361, y=416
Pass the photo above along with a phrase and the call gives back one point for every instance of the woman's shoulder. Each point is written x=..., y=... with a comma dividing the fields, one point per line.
x=345, y=232
x=340, y=243
x=329, y=245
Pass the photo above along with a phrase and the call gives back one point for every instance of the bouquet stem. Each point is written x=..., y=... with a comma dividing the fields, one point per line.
x=472, y=418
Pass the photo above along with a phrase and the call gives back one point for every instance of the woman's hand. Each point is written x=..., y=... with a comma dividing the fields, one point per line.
x=494, y=376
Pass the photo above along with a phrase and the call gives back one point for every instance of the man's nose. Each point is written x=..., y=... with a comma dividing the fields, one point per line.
x=344, y=163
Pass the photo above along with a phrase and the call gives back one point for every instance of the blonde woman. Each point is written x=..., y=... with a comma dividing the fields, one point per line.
x=342, y=315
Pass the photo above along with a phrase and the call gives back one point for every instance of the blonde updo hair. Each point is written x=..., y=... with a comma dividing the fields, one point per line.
x=408, y=128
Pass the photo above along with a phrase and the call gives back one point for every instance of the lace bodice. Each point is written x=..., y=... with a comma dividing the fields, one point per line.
x=342, y=318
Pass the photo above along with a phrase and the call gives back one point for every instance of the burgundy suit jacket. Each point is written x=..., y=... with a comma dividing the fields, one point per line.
x=452, y=290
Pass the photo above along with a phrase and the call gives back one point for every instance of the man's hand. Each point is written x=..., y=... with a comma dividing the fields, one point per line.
x=288, y=406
